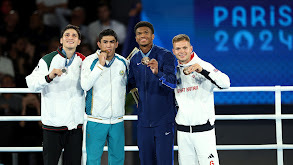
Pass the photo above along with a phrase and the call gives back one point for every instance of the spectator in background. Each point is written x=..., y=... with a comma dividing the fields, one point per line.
x=9, y=29
x=103, y=22
x=31, y=131
x=10, y=105
x=48, y=7
x=6, y=66
x=5, y=8
x=85, y=49
x=76, y=17
x=40, y=34
x=53, y=44
x=22, y=54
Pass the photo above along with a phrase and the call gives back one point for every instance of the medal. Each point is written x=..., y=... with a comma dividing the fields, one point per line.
x=185, y=71
x=145, y=60
x=64, y=70
x=105, y=51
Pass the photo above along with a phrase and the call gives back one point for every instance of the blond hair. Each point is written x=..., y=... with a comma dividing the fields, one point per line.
x=180, y=37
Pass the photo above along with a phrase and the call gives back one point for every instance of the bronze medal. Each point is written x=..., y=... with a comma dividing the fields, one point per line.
x=185, y=71
x=145, y=60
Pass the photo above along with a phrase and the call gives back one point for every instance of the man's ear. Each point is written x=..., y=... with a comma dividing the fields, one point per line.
x=99, y=44
x=117, y=44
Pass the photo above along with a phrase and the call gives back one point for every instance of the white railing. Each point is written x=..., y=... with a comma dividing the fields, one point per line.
x=278, y=116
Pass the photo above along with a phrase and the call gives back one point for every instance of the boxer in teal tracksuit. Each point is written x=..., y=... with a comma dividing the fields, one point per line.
x=104, y=77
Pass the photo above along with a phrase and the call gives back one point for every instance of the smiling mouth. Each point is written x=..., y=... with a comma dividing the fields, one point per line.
x=182, y=55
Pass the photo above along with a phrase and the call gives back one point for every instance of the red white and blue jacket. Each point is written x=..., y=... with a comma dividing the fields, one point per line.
x=195, y=92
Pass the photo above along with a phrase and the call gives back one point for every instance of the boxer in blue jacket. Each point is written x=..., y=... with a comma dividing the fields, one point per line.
x=152, y=71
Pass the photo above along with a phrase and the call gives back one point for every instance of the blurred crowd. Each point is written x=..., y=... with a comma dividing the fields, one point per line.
x=29, y=30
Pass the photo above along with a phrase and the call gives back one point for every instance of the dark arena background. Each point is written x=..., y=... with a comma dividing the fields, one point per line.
x=251, y=41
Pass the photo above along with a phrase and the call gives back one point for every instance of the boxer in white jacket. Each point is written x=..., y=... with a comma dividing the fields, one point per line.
x=104, y=77
x=57, y=76
x=196, y=80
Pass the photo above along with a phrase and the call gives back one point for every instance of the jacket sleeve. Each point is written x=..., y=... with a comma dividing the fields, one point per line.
x=39, y=78
x=167, y=73
x=218, y=78
x=88, y=76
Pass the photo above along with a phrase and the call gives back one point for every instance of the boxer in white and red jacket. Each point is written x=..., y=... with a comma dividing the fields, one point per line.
x=57, y=76
x=196, y=80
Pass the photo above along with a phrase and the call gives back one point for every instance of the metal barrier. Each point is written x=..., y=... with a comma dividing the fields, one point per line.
x=278, y=116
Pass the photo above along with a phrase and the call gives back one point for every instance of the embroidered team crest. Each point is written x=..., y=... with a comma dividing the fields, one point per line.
x=121, y=72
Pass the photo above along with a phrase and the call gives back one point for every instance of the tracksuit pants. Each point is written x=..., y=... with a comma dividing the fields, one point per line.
x=55, y=141
x=96, y=136
x=156, y=144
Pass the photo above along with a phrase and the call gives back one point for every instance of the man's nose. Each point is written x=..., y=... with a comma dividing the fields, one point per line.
x=108, y=44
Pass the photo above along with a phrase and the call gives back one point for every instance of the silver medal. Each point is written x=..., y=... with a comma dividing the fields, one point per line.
x=64, y=70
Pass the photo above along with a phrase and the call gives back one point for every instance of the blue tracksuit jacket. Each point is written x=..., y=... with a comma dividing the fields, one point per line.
x=156, y=92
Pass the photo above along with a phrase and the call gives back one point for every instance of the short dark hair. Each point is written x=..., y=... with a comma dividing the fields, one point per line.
x=69, y=26
x=144, y=24
x=107, y=32
x=104, y=4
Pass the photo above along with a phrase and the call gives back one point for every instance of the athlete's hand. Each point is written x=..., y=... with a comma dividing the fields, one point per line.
x=153, y=64
x=103, y=57
x=195, y=67
x=55, y=72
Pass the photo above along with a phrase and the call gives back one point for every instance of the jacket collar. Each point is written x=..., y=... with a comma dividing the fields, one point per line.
x=59, y=50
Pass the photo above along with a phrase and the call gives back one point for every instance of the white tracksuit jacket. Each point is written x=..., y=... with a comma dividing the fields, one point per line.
x=106, y=88
x=194, y=93
x=63, y=98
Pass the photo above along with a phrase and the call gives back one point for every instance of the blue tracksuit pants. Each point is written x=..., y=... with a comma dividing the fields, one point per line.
x=156, y=144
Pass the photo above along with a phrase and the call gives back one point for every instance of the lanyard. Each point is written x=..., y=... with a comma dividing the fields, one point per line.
x=70, y=60
x=146, y=55
x=110, y=62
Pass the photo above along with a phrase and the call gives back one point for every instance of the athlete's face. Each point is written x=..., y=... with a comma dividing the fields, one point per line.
x=182, y=50
x=110, y=44
x=70, y=39
x=144, y=36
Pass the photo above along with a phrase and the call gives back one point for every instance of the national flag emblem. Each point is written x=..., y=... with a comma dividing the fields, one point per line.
x=121, y=72
x=216, y=70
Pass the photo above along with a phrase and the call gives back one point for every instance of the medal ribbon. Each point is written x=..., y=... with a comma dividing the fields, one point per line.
x=110, y=62
x=146, y=55
x=70, y=60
